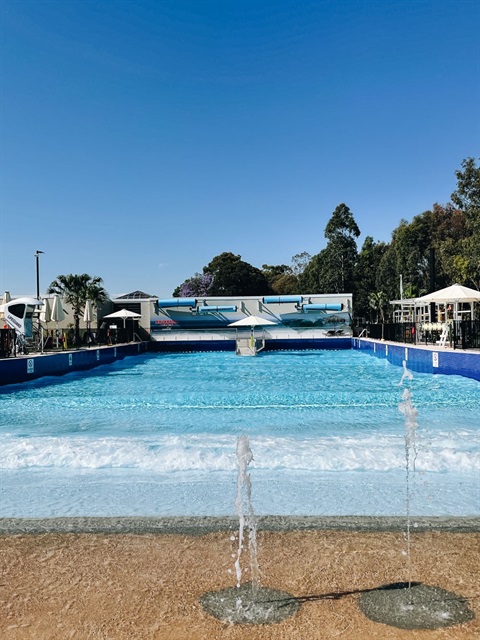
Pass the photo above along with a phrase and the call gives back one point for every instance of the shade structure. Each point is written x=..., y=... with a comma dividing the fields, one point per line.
x=58, y=314
x=251, y=321
x=454, y=293
x=124, y=314
x=88, y=313
x=46, y=311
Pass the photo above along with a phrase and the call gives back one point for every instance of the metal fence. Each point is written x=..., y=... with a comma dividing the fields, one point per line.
x=46, y=341
x=462, y=334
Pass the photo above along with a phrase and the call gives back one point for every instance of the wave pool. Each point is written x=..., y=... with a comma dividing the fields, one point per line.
x=155, y=435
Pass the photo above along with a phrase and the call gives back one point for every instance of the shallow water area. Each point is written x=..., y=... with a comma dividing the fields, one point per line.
x=156, y=435
x=248, y=605
x=419, y=606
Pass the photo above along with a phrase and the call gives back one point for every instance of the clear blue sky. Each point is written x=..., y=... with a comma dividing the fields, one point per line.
x=141, y=139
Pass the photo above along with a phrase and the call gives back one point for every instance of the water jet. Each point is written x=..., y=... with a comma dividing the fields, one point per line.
x=413, y=605
x=248, y=602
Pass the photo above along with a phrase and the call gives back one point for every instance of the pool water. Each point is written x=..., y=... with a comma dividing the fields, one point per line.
x=156, y=435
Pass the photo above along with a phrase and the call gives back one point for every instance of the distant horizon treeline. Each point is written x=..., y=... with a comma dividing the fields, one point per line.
x=448, y=233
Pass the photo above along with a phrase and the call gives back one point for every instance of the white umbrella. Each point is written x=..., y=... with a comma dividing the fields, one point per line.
x=45, y=316
x=251, y=321
x=87, y=318
x=58, y=314
x=88, y=313
x=124, y=314
x=46, y=312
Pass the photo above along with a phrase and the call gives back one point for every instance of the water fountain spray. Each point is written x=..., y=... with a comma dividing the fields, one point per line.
x=243, y=503
x=410, y=413
x=248, y=603
x=413, y=605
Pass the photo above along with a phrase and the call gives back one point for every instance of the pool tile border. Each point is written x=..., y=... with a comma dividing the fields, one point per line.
x=423, y=359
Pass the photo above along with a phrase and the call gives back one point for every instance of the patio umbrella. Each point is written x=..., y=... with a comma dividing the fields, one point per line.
x=124, y=314
x=46, y=312
x=45, y=316
x=251, y=321
x=58, y=314
x=88, y=313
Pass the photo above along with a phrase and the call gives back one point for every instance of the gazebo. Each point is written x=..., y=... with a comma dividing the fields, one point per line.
x=454, y=296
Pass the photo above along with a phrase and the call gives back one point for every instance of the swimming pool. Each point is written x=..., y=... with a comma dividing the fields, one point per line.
x=157, y=436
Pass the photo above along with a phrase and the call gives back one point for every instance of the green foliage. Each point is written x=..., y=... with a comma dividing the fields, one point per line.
x=332, y=270
x=300, y=262
x=366, y=270
x=467, y=194
x=234, y=277
x=281, y=279
x=75, y=290
x=378, y=301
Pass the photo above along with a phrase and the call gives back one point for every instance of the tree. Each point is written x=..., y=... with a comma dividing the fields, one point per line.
x=197, y=286
x=75, y=290
x=467, y=198
x=332, y=270
x=378, y=302
x=239, y=279
x=366, y=270
x=280, y=278
x=467, y=194
x=300, y=262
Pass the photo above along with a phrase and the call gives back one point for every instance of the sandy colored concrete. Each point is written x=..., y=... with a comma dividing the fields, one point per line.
x=56, y=586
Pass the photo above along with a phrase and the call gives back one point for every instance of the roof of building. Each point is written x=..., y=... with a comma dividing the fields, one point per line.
x=136, y=295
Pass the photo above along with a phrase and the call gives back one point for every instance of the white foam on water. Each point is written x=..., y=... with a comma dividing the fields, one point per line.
x=207, y=452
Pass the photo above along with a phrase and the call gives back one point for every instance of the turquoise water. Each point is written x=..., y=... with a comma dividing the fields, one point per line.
x=156, y=435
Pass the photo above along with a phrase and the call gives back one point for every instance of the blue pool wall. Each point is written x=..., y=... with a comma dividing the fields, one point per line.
x=24, y=368
x=451, y=362
x=270, y=345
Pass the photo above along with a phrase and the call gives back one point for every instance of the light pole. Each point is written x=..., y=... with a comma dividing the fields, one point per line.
x=37, y=265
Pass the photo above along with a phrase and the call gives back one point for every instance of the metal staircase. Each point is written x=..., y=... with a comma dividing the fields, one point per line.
x=249, y=345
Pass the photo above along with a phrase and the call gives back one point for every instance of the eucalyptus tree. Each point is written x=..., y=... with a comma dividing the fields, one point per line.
x=366, y=269
x=332, y=270
x=76, y=290
x=467, y=198
x=281, y=278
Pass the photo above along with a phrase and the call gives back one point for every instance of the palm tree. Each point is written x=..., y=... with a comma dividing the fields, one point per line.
x=75, y=290
x=378, y=302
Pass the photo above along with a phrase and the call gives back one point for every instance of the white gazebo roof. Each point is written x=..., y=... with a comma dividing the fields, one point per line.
x=454, y=293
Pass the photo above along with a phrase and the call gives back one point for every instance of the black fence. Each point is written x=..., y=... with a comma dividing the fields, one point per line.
x=54, y=340
x=464, y=334
x=7, y=343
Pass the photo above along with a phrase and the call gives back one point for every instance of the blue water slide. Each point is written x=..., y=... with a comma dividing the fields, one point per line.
x=218, y=308
x=177, y=302
x=322, y=307
x=282, y=299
